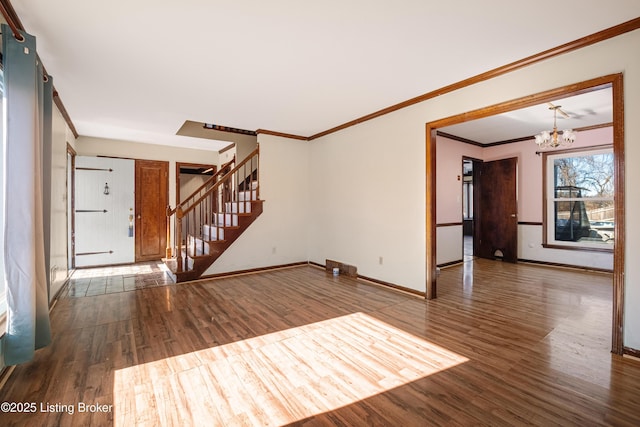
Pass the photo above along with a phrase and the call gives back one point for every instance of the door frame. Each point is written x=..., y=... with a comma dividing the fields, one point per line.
x=180, y=165
x=485, y=221
x=615, y=81
x=476, y=201
x=71, y=208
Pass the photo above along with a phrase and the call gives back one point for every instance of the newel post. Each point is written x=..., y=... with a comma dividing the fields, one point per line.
x=178, y=238
x=168, y=253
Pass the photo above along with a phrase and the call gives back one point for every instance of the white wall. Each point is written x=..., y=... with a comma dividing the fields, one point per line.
x=89, y=146
x=278, y=236
x=365, y=206
x=190, y=183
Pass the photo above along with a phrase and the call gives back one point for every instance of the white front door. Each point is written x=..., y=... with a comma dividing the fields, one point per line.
x=104, y=200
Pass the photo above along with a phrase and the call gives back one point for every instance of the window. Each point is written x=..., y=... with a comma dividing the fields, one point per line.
x=467, y=189
x=467, y=199
x=579, y=199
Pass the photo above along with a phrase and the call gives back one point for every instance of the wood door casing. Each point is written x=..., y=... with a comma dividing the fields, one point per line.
x=497, y=228
x=152, y=198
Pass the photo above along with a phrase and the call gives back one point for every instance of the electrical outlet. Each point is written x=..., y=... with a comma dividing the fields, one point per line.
x=273, y=250
x=380, y=261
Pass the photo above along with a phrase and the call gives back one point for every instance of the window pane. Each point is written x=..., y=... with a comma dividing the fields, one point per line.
x=580, y=191
x=584, y=221
x=588, y=175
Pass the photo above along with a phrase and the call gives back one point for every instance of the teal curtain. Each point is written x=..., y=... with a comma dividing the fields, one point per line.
x=28, y=326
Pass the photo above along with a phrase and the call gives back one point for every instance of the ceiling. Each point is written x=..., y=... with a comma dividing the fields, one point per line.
x=137, y=70
x=586, y=110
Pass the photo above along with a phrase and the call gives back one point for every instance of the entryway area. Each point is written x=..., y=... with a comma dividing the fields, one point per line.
x=89, y=282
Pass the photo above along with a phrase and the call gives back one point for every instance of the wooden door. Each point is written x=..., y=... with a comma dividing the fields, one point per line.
x=152, y=198
x=497, y=222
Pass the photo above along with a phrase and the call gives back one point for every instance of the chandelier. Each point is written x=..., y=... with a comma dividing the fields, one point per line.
x=553, y=139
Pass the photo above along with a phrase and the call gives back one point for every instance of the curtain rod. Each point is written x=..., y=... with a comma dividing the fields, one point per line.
x=9, y=17
x=16, y=26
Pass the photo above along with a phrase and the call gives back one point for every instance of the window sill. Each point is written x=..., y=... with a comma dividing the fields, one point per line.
x=577, y=248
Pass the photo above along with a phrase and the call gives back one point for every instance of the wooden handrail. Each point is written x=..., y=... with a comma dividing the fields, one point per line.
x=218, y=173
x=215, y=186
x=171, y=212
x=206, y=204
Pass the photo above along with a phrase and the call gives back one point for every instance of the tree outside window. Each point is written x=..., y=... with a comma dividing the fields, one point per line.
x=579, y=195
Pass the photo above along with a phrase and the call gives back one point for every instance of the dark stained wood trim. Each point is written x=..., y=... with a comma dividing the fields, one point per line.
x=71, y=150
x=606, y=34
x=511, y=141
x=528, y=101
x=449, y=224
x=450, y=263
x=250, y=271
x=65, y=114
x=557, y=264
x=391, y=285
x=620, y=217
x=430, y=237
x=615, y=81
x=529, y=223
x=376, y=281
x=284, y=135
x=631, y=352
x=460, y=139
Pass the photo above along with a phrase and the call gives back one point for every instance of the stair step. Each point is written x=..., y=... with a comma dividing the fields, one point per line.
x=197, y=247
x=226, y=219
x=212, y=232
x=247, y=195
x=238, y=207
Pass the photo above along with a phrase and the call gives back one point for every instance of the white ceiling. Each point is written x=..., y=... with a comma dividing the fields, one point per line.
x=137, y=69
x=586, y=110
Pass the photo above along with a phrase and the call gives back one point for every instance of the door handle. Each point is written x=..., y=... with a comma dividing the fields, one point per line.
x=513, y=215
x=139, y=216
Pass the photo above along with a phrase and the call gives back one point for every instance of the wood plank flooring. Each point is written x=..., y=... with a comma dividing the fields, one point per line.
x=502, y=345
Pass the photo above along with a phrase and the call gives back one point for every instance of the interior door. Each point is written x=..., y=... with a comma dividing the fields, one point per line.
x=152, y=199
x=497, y=222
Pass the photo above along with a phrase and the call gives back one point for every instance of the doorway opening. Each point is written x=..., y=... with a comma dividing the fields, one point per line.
x=470, y=201
x=614, y=82
x=190, y=176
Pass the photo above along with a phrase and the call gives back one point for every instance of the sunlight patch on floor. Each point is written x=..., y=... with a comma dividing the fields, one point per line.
x=277, y=378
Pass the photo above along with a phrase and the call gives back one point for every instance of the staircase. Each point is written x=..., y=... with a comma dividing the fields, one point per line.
x=212, y=218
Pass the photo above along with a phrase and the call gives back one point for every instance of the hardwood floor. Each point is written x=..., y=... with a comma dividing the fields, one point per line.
x=508, y=345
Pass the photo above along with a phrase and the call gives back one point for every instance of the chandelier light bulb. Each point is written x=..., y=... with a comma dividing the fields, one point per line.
x=553, y=139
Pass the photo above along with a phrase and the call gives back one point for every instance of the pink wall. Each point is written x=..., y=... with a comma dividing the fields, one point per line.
x=449, y=155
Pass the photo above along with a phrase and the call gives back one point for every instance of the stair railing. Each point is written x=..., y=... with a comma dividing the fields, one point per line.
x=211, y=208
x=224, y=169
